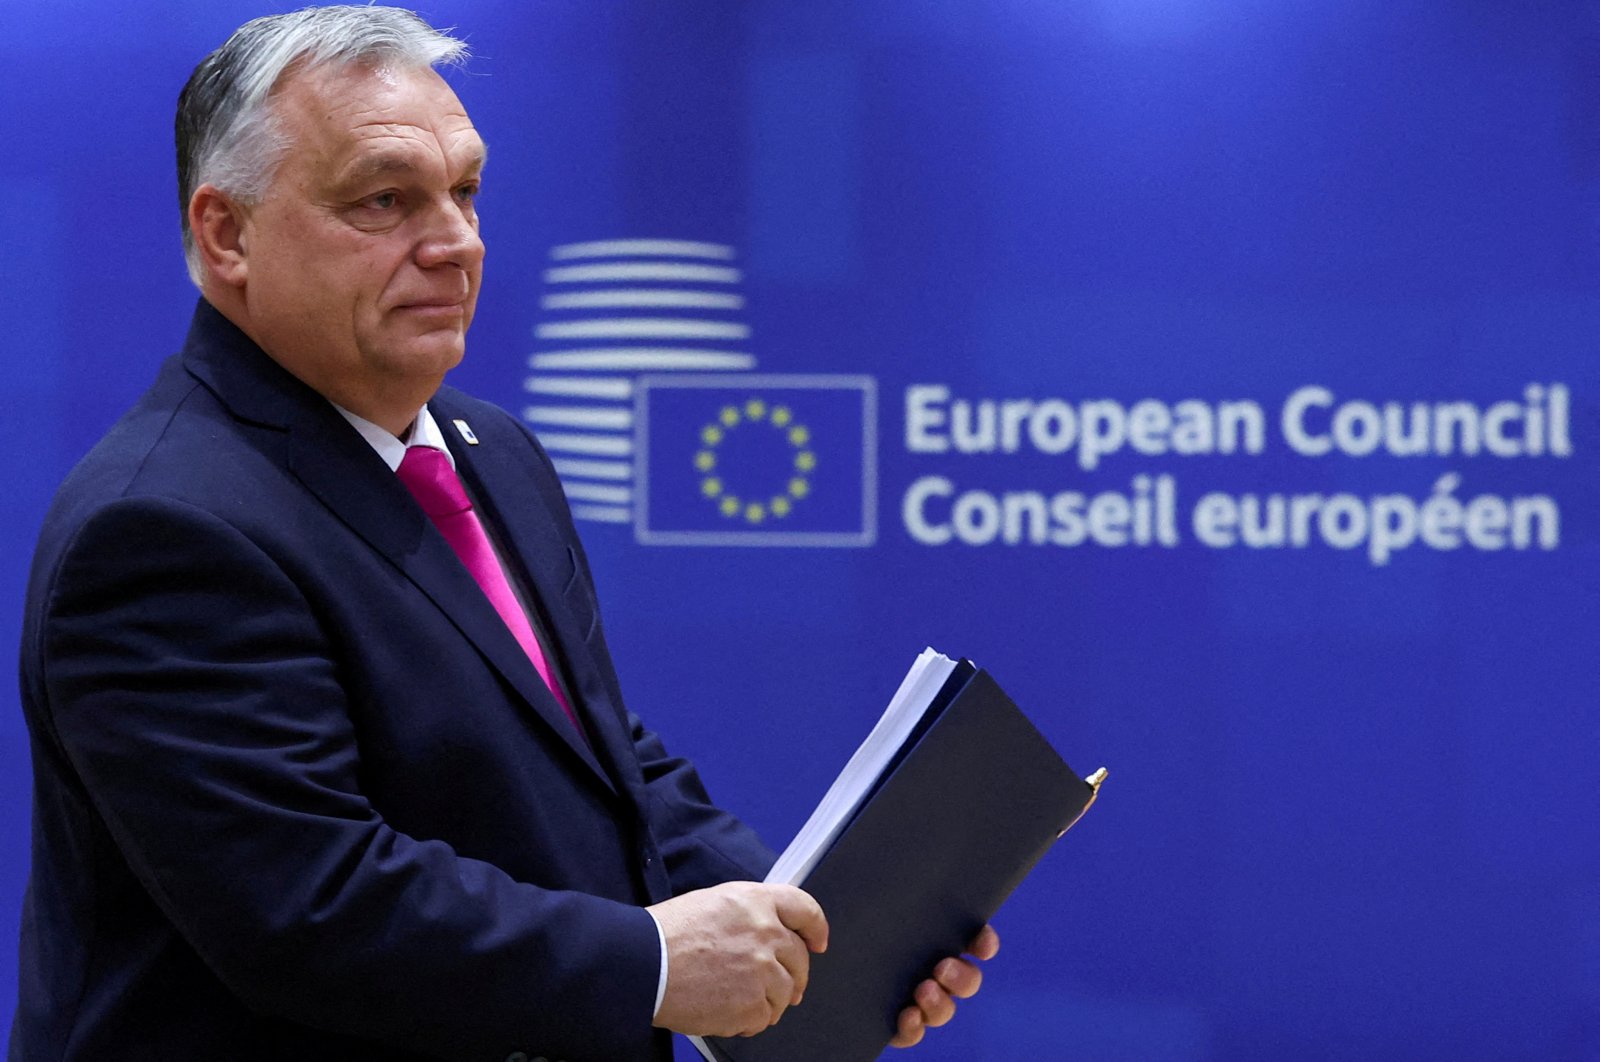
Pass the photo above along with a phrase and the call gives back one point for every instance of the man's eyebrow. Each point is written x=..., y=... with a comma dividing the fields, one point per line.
x=476, y=158
x=381, y=164
x=386, y=163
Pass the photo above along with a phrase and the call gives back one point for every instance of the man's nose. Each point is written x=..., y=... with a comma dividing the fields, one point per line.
x=451, y=238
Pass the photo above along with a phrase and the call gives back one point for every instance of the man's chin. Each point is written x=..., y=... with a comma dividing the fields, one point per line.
x=433, y=352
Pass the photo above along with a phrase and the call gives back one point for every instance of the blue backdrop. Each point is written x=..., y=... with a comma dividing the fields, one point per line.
x=1220, y=374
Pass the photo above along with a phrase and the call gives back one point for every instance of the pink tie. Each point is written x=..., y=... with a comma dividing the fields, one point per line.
x=426, y=472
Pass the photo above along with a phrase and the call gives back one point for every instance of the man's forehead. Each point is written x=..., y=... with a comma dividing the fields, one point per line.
x=387, y=139
x=357, y=110
x=381, y=150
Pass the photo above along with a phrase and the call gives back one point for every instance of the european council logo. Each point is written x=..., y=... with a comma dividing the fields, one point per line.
x=755, y=460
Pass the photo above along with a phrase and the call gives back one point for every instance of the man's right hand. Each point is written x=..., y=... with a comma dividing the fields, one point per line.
x=737, y=956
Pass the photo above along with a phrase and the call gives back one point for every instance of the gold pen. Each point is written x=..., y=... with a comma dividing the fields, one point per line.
x=1093, y=782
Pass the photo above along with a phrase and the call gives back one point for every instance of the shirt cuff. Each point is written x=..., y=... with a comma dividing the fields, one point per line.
x=661, y=982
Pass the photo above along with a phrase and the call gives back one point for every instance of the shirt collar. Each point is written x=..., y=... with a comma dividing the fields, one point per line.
x=424, y=432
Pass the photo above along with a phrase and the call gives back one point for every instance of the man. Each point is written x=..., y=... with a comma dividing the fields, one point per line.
x=330, y=759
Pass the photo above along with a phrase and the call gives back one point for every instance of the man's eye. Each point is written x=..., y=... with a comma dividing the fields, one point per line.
x=384, y=201
x=467, y=193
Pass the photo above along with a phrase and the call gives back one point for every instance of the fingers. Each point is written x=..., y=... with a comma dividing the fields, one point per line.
x=935, y=999
x=933, y=1008
x=738, y=956
x=807, y=929
x=908, y=1031
x=986, y=945
x=935, y=1004
x=801, y=914
x=958, y=977
x=804, y=928
x=796, y=961
x=780, y=996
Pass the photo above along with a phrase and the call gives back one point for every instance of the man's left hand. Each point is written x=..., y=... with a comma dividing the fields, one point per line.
x=952, y=979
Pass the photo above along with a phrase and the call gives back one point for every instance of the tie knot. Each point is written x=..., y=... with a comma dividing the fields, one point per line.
x=426, y=472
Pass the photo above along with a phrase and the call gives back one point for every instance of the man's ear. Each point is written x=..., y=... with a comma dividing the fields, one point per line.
x=217, y=224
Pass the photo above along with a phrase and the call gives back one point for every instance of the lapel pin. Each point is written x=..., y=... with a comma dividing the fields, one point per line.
x=466, y=432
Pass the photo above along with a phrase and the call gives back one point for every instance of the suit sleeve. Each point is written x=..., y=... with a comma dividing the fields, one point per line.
x=201, y=705
x=701, y=844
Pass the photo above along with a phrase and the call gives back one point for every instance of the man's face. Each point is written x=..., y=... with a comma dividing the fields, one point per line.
x=363, y=256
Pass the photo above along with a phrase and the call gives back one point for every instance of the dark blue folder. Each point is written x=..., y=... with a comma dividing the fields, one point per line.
x=917, y=871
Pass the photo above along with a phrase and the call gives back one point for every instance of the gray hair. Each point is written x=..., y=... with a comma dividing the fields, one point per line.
x=226, y=132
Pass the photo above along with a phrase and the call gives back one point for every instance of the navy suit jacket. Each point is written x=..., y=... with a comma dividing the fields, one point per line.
x=298, y=794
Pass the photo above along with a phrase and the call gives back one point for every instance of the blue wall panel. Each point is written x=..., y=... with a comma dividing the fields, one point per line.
x=1350, y=812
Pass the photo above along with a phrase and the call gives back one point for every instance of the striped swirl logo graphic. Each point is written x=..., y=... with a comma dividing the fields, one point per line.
x=612, y=311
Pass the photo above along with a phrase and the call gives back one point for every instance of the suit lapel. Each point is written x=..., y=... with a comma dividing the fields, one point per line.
x=333, y=462
x=383, y=512
x=522, y=515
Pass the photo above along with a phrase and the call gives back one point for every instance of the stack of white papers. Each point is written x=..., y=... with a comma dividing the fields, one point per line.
x=890, y=915
x=917, y=691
